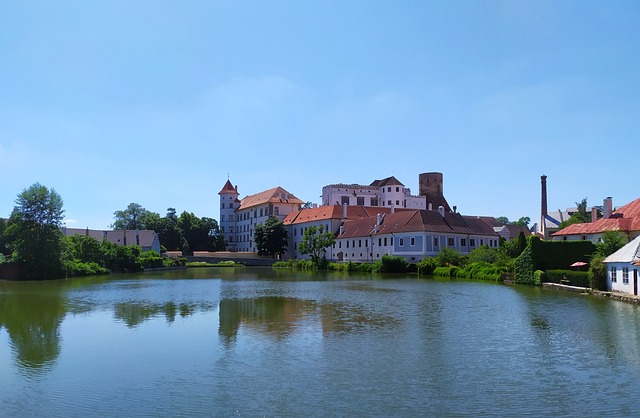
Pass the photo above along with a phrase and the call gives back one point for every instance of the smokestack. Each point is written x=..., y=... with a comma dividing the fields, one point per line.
x=543, y=208
x=608, y=207
x=594, y=214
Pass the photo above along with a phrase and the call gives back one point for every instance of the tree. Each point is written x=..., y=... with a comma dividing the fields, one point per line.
x=34, y=232
x=610, y=242
x=449, y=257
x=579, y=216
x=133, y=217
x=523, y=222
x=271, y=238
x=315, y=242
x=170, y=235
x=503, y=220
x=4, y=239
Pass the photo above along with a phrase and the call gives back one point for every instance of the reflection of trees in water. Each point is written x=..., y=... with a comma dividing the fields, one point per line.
x=135, y=313
x=280, y=316
x=33, y=323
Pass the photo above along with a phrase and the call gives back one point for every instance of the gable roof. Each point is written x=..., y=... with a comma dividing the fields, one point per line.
x=389, y=181
x=275, y=195
x=416, y=221
x=625, y=219
x=628, y=254
x=228, y=188
x=336, y=212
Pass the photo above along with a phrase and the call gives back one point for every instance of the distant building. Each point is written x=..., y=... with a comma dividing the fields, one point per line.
x=625, y=220
x=147, y=239
x=238, y=218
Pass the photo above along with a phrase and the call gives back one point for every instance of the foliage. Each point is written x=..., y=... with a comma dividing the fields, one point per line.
x=427, y=265
x=271, y=238
x=575, y=278
x=523, y=221
x=581, y=215
x=226, y=263
x=296, y=264
x=538, y=277
x=394, y=264
x=545, y=255
x=78, y=268
x=201, y=234
x=484, y=254
x=4, y=239
x=446, y=271
x=449, y=257
x=598, y=272
x=170, y=235
x=34, y=232
x=133, y=217
x=481, y=271
x=315, y=242
x=610, y=242
x=150, y=259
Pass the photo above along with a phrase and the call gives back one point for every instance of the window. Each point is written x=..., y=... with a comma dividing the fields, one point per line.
x=401, y=242
x=222, y=207
x=388, y=203
x=614, y=274
x=360, y=201
x=374, y=201
x=435, y=241
x=339, y=244
x=625, y=275
x=397, y=203
x=472, y=242
x=397, y=189
x=388, y=189
x=295, y=232
x=231, y=230
x=261, y=212
x=463, y=242
x=379, y=242
x=451, y=242
x=276, y=211
x=385, y=242
x=221, y=218
x=347, y=243
x=230, y=218
x=344, y=200
x=359, y=243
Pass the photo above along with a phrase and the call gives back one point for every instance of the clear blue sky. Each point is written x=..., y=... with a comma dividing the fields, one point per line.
x=155, y=102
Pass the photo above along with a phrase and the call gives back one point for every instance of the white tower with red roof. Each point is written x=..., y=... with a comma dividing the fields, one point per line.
x=229, y=202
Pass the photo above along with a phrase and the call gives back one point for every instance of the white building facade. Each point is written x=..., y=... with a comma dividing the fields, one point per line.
x=622, y=268
x=388, y=192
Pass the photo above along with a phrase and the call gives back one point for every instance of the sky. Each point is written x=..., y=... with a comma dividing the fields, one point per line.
x=160, y=102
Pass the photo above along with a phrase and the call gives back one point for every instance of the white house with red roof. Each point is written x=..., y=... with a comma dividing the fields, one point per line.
x=238, y=217
x=625, y=219
x=412, y=234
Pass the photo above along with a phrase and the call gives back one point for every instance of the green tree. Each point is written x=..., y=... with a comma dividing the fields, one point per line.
x=34, y=232
x=315, y=242
x=133, y=217
x=523, y=222
x=610, y=242
x=449, y=257
x=503, y=220
x=169, y=233
x=271, y=238
x=4, y=239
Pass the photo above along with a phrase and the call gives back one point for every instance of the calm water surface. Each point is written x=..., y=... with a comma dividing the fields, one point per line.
x=255, y=342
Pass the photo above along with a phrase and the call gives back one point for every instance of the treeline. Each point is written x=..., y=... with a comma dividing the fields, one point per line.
x=185, y=233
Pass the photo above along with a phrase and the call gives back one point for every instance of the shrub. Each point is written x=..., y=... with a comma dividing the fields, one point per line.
x=76, y=268
x=427, y=265
x=575, y=278
x=598, y=273
x=394, y=264
x=539, y=277
x=446, y=271
x=296, y=264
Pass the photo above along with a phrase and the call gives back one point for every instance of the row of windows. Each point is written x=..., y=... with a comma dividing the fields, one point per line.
x=321, y=229
x=451, y=242
x=625, y=275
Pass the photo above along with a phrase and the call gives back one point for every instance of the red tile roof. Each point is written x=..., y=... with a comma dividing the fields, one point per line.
x=414, y=221
x=336, y=212
x=275, y=195
x=228, y=189
x=625, y=219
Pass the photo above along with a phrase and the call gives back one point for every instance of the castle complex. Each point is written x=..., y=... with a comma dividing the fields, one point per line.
x=369, y=220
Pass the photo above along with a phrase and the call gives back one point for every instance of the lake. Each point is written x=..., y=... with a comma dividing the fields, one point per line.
x=260, y=342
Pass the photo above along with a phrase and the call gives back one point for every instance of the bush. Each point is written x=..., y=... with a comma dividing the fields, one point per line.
x=296, y=264
x=598, y=273
x=446, y=271
x=76, y=268
x=394, y=264
x=575, y=278
x=481, y=271
x=427, y=265
x=151, y=259
x=539, y=277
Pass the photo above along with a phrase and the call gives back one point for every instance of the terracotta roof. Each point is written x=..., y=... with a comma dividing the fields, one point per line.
x=625, y=219
x=275, y=195
x=389, y=181
x=415, y=221
x=336, y=212
x=228, y=188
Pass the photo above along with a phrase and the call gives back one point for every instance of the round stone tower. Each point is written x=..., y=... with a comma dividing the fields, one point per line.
x=430, y=186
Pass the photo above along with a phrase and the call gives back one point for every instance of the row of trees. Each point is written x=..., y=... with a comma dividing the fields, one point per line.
x=185, y=233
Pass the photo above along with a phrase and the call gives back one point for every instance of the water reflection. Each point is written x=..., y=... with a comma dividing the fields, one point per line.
x=279, y=317
x=32, y=320
x=135, y=313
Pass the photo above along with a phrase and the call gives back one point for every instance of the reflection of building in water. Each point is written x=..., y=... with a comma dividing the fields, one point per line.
x=281, y=316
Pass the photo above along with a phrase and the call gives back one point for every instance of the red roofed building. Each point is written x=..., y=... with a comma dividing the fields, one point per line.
x=238, y=217
x=625, y=220
x=412, y=234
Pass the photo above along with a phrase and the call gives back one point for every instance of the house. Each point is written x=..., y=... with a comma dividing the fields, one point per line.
x=238, y=217
x=622, y=268
x=506, y=231
x=326, y=218
x=412, y=234
x=625, y=219
x=147, y=239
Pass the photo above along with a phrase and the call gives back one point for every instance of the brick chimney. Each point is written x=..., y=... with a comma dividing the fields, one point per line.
x=607, y=207
x=543, y=200
x=594, y=214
